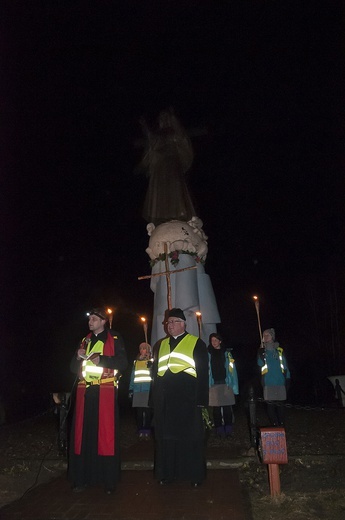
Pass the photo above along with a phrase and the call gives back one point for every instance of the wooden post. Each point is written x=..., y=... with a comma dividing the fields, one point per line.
x=273, y=452
x=166, y=260
x=274, y=479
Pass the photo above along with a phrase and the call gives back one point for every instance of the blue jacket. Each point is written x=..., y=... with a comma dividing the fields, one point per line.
x=274, y=376
x=231, y=379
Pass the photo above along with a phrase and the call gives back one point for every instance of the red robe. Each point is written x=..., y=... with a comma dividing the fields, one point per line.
x=106, y=417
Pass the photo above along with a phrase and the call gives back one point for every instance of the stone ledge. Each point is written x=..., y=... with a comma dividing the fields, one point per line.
x=211, y=464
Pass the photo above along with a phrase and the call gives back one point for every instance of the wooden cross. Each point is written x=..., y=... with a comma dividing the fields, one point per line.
x=167, y=274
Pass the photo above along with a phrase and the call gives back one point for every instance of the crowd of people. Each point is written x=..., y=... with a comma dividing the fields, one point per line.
x=172, y=386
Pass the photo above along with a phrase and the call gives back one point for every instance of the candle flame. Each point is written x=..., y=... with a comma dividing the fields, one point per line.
x=198, y=313
x=255, y=298
x=143, y=319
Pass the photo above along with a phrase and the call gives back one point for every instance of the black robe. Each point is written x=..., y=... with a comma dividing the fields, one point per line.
x=178, y=425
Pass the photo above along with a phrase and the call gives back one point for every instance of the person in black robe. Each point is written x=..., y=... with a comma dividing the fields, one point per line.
x=178, y=400
x=96, y=459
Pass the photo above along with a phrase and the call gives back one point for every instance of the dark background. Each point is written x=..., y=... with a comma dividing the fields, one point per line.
x=265, y=79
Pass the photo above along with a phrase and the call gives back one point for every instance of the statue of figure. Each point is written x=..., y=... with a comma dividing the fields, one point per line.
x=178, y=245
x=168, y=156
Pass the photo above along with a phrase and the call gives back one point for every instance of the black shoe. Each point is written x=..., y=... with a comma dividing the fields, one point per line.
x=195, y=484
x=164, y=482
x=78, y=489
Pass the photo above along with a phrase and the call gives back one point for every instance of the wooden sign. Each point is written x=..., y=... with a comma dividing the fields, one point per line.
x=273, y=446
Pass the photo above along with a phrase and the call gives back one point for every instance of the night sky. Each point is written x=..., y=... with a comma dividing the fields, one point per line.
x=264, y=78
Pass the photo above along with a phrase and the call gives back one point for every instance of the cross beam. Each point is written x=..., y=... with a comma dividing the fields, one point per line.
x=167, y=274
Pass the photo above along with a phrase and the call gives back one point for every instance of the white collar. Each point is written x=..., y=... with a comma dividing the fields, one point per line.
x=178, y=335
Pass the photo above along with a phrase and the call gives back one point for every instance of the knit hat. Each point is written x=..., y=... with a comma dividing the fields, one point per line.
x=272, y=332
x=98, y=311
x=147, y=346
x=176, y=313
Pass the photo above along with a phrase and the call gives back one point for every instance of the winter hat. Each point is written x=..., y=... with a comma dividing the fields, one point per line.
x=272, y=332
x=147, y=346
x=97, y=311
x=215, y=335
x=176, y=313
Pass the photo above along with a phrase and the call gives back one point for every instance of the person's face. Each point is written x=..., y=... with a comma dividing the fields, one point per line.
x=143, y=351
x=175, y=326
x=96, y=324
x=215, y=342
x=267, y=337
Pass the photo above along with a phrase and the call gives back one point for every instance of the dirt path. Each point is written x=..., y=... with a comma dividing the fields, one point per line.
x=312, y=483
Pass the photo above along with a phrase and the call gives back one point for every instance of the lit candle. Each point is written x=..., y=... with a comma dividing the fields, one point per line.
x=110, y=312
x=144, y=327
x=257, y=308
x=199, y=320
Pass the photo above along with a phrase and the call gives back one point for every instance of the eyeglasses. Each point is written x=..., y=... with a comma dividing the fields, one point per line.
x=174, y=321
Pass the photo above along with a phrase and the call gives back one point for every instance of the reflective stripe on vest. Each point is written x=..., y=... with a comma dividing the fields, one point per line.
x=231, y=363
x=282, y=368
x=264, y=368
x=142, y=374
x=178, y=360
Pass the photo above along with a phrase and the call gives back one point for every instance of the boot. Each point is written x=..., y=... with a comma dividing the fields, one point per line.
x=228, y=430
x=220, y=432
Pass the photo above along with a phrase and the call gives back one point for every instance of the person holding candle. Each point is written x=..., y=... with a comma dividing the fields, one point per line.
x=139, y=390
x=223, y=383
x=275, y=376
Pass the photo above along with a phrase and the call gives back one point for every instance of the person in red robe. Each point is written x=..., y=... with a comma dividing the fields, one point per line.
x=94, y=451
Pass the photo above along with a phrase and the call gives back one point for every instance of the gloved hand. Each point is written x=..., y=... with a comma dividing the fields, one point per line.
x=149, y=364
x=262, y=353
x=80, y=352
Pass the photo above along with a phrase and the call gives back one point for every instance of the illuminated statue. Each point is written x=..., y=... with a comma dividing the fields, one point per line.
x=168, y=156
x=178, y=245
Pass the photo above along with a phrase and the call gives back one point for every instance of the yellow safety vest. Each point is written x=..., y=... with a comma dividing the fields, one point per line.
x=178, y=360
x=92, y=373
x=142, y=374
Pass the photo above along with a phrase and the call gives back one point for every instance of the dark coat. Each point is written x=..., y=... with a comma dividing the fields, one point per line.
x=179, y=431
